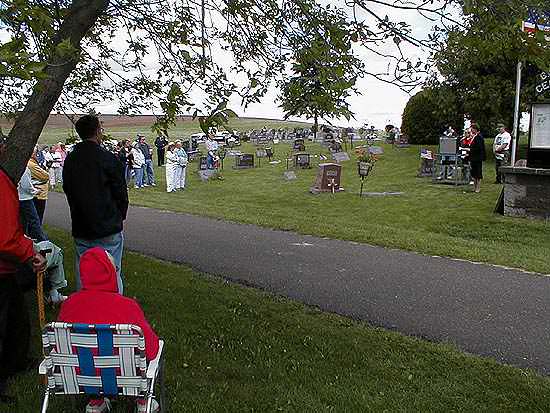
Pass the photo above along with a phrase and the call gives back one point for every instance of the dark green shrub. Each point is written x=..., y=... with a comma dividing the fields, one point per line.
x=428, y=114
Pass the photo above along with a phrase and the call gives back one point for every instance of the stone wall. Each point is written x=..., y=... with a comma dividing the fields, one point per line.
x=526, y=192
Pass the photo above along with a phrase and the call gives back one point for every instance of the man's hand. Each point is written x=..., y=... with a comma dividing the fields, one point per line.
x=38, y=262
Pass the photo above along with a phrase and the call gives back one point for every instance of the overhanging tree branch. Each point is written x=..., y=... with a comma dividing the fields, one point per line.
x=29, y=123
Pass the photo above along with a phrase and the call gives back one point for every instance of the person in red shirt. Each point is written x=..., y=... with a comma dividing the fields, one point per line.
x=17, y=256
x=98, y=302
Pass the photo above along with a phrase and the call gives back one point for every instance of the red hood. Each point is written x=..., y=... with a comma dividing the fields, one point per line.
x=97, y=272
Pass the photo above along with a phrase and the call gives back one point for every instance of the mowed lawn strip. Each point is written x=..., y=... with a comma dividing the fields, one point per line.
x=234, y=349
x=428, y=218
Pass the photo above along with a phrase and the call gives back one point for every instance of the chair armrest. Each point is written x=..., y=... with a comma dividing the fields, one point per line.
x=152, y=368
x=42, y=368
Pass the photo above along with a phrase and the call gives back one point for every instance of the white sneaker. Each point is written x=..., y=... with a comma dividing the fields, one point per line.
x=101, y=408
x=145, y=185
x=153, y=184
x=142, y=407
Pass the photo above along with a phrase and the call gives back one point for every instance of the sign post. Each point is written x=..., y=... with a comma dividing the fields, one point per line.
x=515, y=136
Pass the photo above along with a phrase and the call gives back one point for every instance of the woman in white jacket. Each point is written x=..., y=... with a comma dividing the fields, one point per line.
x=182, y=166
x=137, y=163
x=171, y=168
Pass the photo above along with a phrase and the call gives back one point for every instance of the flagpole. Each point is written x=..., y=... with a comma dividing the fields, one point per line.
x=516, y=114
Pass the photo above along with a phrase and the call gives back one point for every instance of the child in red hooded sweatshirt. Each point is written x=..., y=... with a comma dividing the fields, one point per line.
x=98, y=302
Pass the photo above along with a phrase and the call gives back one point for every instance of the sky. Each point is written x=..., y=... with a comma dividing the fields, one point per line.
x=378, y=103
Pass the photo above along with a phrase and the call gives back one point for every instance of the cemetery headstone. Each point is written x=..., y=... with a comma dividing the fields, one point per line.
x=340, y=156
x=376, y=150
x=402, y=142
x=203, y=164
x=299, y=145
x=328, y=178
x=381, y=194
x=244, y=161
x=302, y=160
x=207, y=174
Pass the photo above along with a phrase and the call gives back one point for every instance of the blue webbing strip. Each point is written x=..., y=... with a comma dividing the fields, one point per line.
x=105, y=346
x=86, y=359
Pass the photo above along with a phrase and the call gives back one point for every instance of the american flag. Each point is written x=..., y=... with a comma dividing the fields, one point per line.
x=537, y=21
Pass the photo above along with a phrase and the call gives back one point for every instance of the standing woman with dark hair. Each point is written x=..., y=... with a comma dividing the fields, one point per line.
x=477, y=156
x=40, y=180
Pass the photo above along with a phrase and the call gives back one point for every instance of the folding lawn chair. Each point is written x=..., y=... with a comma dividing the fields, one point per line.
x=99, y=360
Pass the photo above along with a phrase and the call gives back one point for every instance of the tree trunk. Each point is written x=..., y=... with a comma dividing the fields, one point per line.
x=315, y=126
x=31, y=120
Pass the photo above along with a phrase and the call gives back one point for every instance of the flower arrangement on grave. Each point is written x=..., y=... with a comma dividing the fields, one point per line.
x=363, y=155
x=365, y=161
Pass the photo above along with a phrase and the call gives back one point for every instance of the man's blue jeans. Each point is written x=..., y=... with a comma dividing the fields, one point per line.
x=31, y=221
x=149, y=172
x=128, y=174
x=138, y=172
x=113, y=244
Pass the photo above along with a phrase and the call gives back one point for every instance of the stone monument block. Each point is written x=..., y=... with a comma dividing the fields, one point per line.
x=328, y=178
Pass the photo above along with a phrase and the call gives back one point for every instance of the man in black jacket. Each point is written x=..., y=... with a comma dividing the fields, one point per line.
x=161, y=143
x=93, y=180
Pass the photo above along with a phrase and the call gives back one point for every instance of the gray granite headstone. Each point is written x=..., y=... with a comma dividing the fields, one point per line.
x=376, y=150
x=340, y=156
x=207, y=174
x=375, y=194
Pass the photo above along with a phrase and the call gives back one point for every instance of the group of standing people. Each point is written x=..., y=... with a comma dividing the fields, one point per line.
x=472, y=147
x=176, y=166
x=54, y=159
x=137, y=160
x=33, y=189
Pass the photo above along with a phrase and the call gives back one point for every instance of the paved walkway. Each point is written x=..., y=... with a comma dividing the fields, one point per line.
x=483, y=309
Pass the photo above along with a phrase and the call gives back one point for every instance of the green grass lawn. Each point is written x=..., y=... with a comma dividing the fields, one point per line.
x=428, y=218
x=182, y=129
x=234, y=349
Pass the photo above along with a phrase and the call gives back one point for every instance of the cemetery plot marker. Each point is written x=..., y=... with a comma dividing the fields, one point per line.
x=340, y=156
x=299, y=145
x=244, y=161
x=203, y=164
x=302, y=160
x=328, y=179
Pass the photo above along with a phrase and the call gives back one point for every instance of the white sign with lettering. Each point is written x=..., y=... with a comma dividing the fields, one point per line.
x=540, y=126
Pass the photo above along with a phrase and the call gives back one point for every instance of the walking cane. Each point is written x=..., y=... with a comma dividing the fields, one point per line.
x=40, y=292
x=40, y=298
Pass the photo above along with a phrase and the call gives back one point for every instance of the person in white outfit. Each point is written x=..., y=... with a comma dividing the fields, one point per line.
x=501, y=149
x=55, y=170
x=211, y=148
x=181, y=166
x=171, y=167
x=138, y=161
